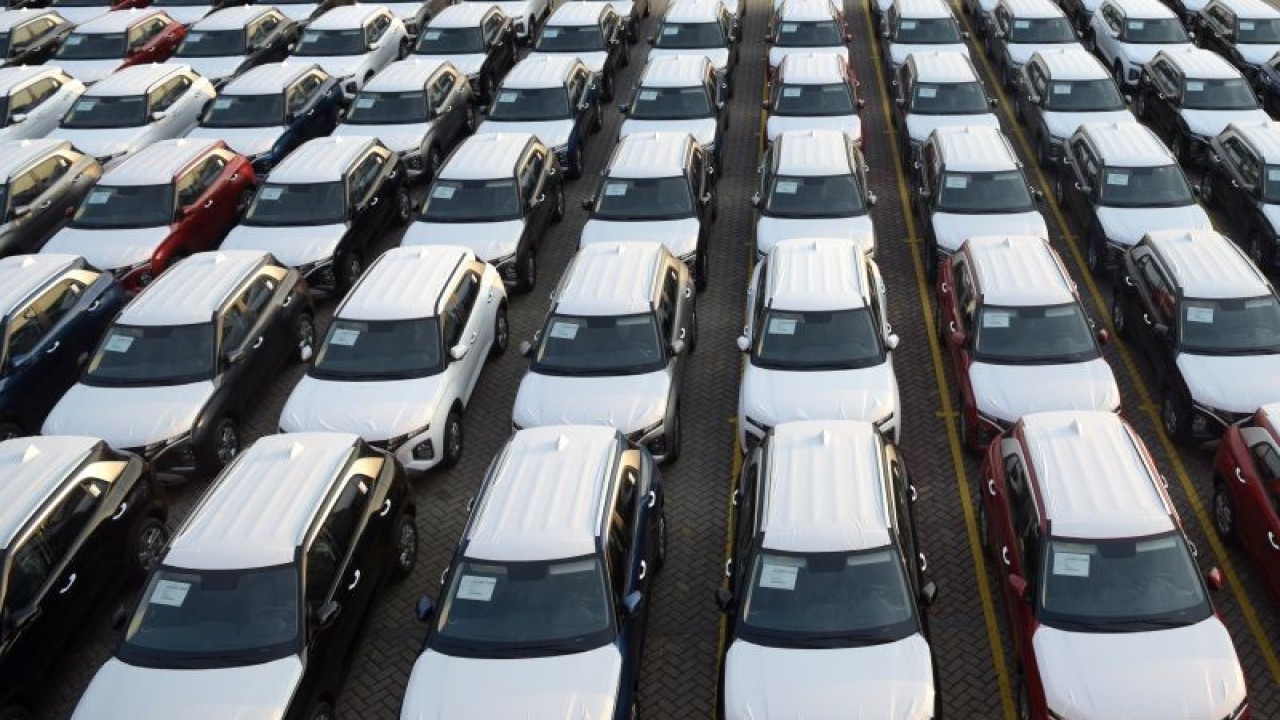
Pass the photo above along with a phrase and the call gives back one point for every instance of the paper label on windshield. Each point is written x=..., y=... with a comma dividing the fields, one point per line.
x=1120, y=179
x=344, y=337
x=550, y=32
x=928, y=92
x=506, y=97
x=1195, y=85
x=272, y=193
x=787, y=187
x=195, y=36
x=86, y=105
x=995, y=319
x=75, y=39
x=956, y=182
x=364, y=102
x=444, y=192
x=1200, y=314
x=791, y=92
x=118, y=343
x=1136, y=24
x=671, y=30
x=1246, y=25
x=648, y=94
x=1273, y=174
x=222, y=103
x=615, y=189
x=433, y=34
x=907, y=25
x=778, y=577
x=1061, y=88
x=564, y=330
x=98, y=197
x=171, y=593
x=1071, y=564
x=789, y=27
x=782, y=326
x=474, y=587
x=1021, y=24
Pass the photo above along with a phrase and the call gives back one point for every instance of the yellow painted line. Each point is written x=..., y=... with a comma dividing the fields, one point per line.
x=957, y=454
x=1148, y=405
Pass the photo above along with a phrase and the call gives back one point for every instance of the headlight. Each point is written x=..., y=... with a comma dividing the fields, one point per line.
x=561, y=151
x=689, y=258
x=394, y=443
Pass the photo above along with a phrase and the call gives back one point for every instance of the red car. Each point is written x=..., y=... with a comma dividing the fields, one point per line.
x=119, y=39
x=1246, y=491
x=170, y=200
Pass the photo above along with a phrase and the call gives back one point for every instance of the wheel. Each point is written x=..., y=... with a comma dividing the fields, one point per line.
x=984, y=537
x=599, y=121
x=146, y=544
x=471, y=120
x=321, y=711
x=701, y=273
x=1095, y=254
x=430, y=169
x=558, y=214
x=1023, y=702
x=452, y=451
x=304, y=331
x=693, y=330
x=404, y=203
x=1178, y=146
x=1224, y=512
x=674, y=437
x=1117, y=72
x=1118, y=318
x=606, y=89
x=1043, y=157
x=501, y=332
x=406, y=548
x=1175, y=415
x=526, y=270
x=223, y=445
x=1258, y=250
x=349, y=270
x=1059, y=189
x=9, y=431
x=575, y=163
x=486, y=89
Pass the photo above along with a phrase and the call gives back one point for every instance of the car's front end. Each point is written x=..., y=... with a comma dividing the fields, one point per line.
x=772, y=230
x=311, y=249
x=126, y=253
x=850, y=124
x=110, y=146
x=264, y=146
x=950, y=230
x=407, y=140
x=497, y=243
x=1060, y=125
x=919, y=126
x=89, y=71
x=1123, y=227
x=1226, y=390
x=1202, y=126
x=1004, y=392
x=680, y=237
x=556, y=134
x=769, y=397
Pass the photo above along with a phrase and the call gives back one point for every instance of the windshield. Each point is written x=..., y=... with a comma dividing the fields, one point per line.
x=836, y=599
x=472, y=201
x=690, y=36
x=82, y=3
x=212, y=43
x=498, y=609
x=1159, y=186
x=985, y=192
x=181, y=3
x=379, y=350
x=609, y=345
x=1034, y=335
x=1258, y=32
x=813, y=100
x=153, y=355
x=93, y=46
x=450, y=41
x=4, y=111
x=1154, y=31
x=1084, y=96
x=688, y=103
x=1121, y=585
x=1231, y=326
x=822, y=33
x=125, y=206
x=825, y=196
x=531, y=105
x=817, y=340
x=667, y=198
x=1042, y=31
x=298, y=204
x=215, y=618
x=1271, y=184
x=389, y=108
x=585, y=38
x=966, y=98
x=315, y=43
x=107, y=112
x=235, y=111
x=1228, y=94
x=927, y=31
x=4, y=42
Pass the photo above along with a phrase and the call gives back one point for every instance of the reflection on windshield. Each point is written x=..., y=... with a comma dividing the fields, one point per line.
x=667, y=198
x=450, y=41
x=107, y=112
x=298, y=204
x=687, y=103
x=319, y=43
x=379, y=350
x=927, y=31
x=1030, y=335
x=125, y=206
x=1260, y=31
x=1042, y=31
x=472, y=201
x=92, y=46
x=1154, y=31
x=1084, y=96
x=1231, y=326
x=153, y=355
x=585, y=38
x=609, y=345
x=1158, y=186
x=824, y=33
x=1222, y=94
x=388, y=108
x=690, y=36
x=796, y=196
x=986, y=192
x=814, y=100
x=530, y=105
x=212, y=43
x=817, y=340
x=966, y=98
x=235, y=111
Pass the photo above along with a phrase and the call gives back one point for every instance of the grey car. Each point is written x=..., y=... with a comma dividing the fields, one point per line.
x=40, y=180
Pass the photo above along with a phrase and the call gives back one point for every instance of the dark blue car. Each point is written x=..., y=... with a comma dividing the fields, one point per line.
x=53, y=310
x=1267, y=84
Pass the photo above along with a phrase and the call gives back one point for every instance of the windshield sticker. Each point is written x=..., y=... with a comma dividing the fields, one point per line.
x=434, y=34
x=791, y=92
x=475, y=587
x=789, y=27
x=671, y=30
x=1200, y=314
x=551, y=32
x=222, y=103
x=1063, y=311
x=195, y=36
x=956, y=182
x=1062, y=88
x=782, y=326
x=86, y=105
x=1195, y=85
x=272, y=193
x=648, y=94
x=118, y=343
x=364, y=102
x=995, y=319
x=444, y=192
x=507, y=97
x=1246, y=25
x=1136, y=24
x=928, y=92
x=1273, y=174
x=564, y=330
x=615, y=189
x=1071, y=564
x=1120, y=179
x=98, y=197
x=1164, y=543
x=787, y=187
x=1021, y=24
x=778, y=577
x=907, y=25
x=1256, y=303
x=169, y=592
x=75, y=39
x=344, y=337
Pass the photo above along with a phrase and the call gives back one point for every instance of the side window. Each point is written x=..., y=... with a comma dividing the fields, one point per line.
x=235, y=326
x=189, y=187
x=323, y=560
x=530, y=175
x=965, y=297
x=461, y=305
x=295, y=97
x=492, y=27
x=30, y=325
x=24, y=34
x=258, y=296
x=350, y=507
x=440, y=89
x=667, y=307
x=23, y=100
x=168, y=93
x=68, y=519
x=24, y=188
x=746, y=500
x=619, y=548
x=1161, y=291
x=364, y=177
x=32, y=564
x=1267, y=460
x=1036, y=75
x=1021, y=509
x=1243, y=160
x=42, y=89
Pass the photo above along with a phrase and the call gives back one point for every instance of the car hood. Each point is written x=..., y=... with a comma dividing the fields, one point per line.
x=626, y=402
x=1210, y=123
x=1256, y=54
x=1108, y=675
x=898, y=52
x=1126, y=226
x=850, y=125
x=128, y=417
x=770, y=231
x=889, y=681
x=919, y=126
x=250, y=141
x=719, y=57
x=404, y=10
x=1062, y=124
x=89, y=71
x=214, y=68
x=951, y=230
x=515, y=9
x=109, y=249
x=298, y=12
x=1236, y=383
x=778, y=396
x=593, y=60
x=680, y=236
x=249, y=692
x=702, y=129
x=776, y=54
x=401, y=138
x=1020, y=53
x=387, y=409
x=339, y=66
x=102, y=142
x=187, y=14
x=488, y=240
x=294, y=245
x=1140, y=54
x=467, y=63
x=555, y=133
x=1010, y=391
x=80, y=15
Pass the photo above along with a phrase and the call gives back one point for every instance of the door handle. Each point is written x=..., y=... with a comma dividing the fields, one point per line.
x=991, y=487
x=52, y=348
x=951, y=325
x=474, y=334
x=257, y=343
x=944, y=288
x=1128, y=281
x=1146, y=318
x=71, y=580
x=355, y=580
x=489, y=298
x=1271, y=538
x=94, y=305
x=652, y=499
x=120, y=511
x=235, y=176
x=374, y=201
x=386, y=508
x=644, y=569
x=287, y=301
x=46, y=203
x=1004, y=554
x=728, y=567
x=1240, y=476
x=208, y=203
x=924, y=562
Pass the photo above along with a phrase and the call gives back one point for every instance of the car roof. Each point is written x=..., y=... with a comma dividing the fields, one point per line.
x=812, y=153
x=322, y=159
x=193, y=289
x=268, y=79
x=806, y=10
x=650, y=155
x=576, y=13
x=258, y=511
x=31, y=470
x=1143, y=8
x=816, y=274
x=809, y=68
x=1198, y=63
x=1094, y=476
x=17, y=154
x=943, y=67
x=11, y=18
x=345, y=17
x=135, y=79
x=610, y=278
x=1250, y=9
x=922, y=9
x=23, y=275
x=1019, y=270
x=1126, y=144
x=1072, y=62
x=461, y=15
x=675, y=71
x=487, y=156
x=405, y=283
x=116, y=20
x=545, y=496
x=974, y=148
x=1032, y=8
x=158, y=163
x=692, y=11
x=11, y=77
x=1262, y=136
x=404, y=75
x=825, y=490
x=231, y=18
x=1205, y=264
x=541, y=70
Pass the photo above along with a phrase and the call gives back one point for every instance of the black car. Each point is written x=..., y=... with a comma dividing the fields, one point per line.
x=41, y=181
x=1243, y=181
x=586, y=30
x=80, y=520
x=468, y=31
x=226, y=43
x=1240, y=31
x=32, y=37
x=1267, y=84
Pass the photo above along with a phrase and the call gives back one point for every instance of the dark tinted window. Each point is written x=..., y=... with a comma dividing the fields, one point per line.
x=298, y=204
x=124, y=206
x=379, y=350
x=153, y=355
x=212, y=43
x=92, y=46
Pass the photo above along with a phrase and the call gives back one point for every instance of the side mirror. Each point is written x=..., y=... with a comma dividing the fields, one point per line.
x=1214, y=579
x=624, y=108
x=928, y=594
x=994, y=102
x=582, y=106
x=525, y=348
x=327, y=613
x=872, y=199
x=1018, y=585
x=1104, y=337
x=1086, y=189
x=375, y=45
x=235, y=357
x=724, y=599
x=744, y=342
x=424, y=609
x=1037, y=194
x=924, y=193
x=1033, y=98
x=18, y=117
x=892, y=341
x=588, y=202
x=706, y=198
x=632, y=603
x=677, y=346
x=999, y=34
x=958, y=338
x=291, y=47
x=459, y=351
x=651, y=39
x=756, y=199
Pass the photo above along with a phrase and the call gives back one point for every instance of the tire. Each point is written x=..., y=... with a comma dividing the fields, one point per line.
x=701, y=271
x=1022, y=703
x=675, y=438
x=1117, y=74
x=9, y=431
x=606, y=89
x=693, y=330
x=598, y=122
x=304, y=331
x=558, y=213
x=1118, y=318
x=146, y=545
x=406, y=547
x=1095, y=254
x=486, y=89
x=1140, y=106
x=1175, y=417
x=1043, y=156
x=429, y=172
x=501, y=332
x=223, y=445
x=452, y=443
x=404, y=205
x=350, y=268
x=1224, y=512
x=1258, y=250
x=526, y=270
x=321, y=711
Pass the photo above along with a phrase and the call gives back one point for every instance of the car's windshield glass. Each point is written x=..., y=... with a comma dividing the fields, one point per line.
x=472, y=201
x=814, y=196
x=92, y=46
x=1230, y=326
x=498, y=609
x=181, y=3
x=1151, y=31
x=666, y=198
x=125, y=206
x=1156, y=186
x=964, y=98
x=1083, y=96
x=1271, y=184
x=82, y=3
x=4, y=200
x=812, y=100
x=984, y=192
x=1034, y=335
x=600, y=345
x=450, y=41
x=298, y=204
x=388, y=108
x=4, y=111
x=318, y=43
x=212, y=43
x=687, y=103
x=817, y=340
x=584, y=38
x=530, y=105
x=1261, y=31
x=153, y=355
x=215, y=618
x=1042, y=31
x=690, y=36
x=107, y=112
x=379, y=350
x=4, y=42
x=927, y=31
x=234, y=111
x=1222, y=94
x=832, y=599
x=818, y=33
x=1121, y=585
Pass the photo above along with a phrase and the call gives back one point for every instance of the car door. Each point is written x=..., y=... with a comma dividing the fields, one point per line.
x=462, y=316
x=1014, y=544
x=378, y=41
x=632, y=567
x=535, y=178
x=246, y=344
x=446, y=125
x=1163, y=98
x=40, y=351
x=584, y=94
x=746, y=502
x=1235, y=182
x=1255, y=492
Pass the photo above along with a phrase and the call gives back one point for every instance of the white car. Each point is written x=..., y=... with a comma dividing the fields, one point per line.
x=1126, y=34
x=234, y=39
x=133, y=108
x=810, y=27
x=187, y=12
x=37, y=96
x=1245, y=32
x=699, y=27
x=525, y=14
x=1022, y=27
x=592, y=31
x=353, y=42
x=1062, y=88
x=1191, y=95
x=399, y=368
x=679, y=93
x=818, y=341
x=814, y=92
x=80, y=12
x=920, y=26
x=115, y=40
x=938, y=90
